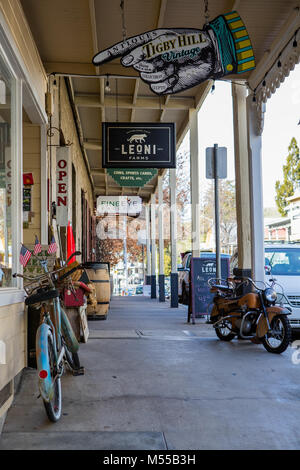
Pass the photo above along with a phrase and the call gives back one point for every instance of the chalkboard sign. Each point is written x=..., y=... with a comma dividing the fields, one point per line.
x=203, y=269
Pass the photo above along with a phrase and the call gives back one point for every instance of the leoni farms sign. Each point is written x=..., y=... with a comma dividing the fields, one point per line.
x=138, y=145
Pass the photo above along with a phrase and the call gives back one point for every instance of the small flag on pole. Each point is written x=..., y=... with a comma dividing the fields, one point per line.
x=52, y=247
x=37, y=246
x=25, y=255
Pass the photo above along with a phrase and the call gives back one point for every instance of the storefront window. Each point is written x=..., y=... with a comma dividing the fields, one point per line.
x=6, y=100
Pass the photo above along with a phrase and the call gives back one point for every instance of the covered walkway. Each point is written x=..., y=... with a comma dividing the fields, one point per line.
x=154, y=382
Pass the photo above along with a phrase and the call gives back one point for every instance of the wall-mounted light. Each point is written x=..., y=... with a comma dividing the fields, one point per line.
x=295, y=44
x=107, y=87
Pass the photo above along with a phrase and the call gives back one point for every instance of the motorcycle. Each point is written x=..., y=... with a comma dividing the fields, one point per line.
x=258, y=315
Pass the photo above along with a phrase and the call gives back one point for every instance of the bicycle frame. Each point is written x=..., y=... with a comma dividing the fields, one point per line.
x=60, y=328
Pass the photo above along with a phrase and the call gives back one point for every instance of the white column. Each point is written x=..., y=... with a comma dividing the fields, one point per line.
x=242, y=181
x=44, y=186
x=148, y=266
x=153, y=247
x=256, y=192
x=161, y=277
x=173, y=235
x=195, y=179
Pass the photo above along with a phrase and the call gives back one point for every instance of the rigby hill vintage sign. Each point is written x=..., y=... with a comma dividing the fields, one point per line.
x=172, y=60
x=138, y=145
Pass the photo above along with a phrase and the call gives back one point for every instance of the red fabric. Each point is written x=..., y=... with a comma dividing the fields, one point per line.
x=85, y=287
x=70, y=243
x=74, y=299
x=82, y=285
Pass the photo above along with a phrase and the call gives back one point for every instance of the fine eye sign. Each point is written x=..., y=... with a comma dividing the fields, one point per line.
x=138, y=145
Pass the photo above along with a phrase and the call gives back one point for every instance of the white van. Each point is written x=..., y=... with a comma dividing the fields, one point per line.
x=282, y=261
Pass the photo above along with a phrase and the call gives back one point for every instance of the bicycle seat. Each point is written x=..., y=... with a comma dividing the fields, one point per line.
x=41, y=297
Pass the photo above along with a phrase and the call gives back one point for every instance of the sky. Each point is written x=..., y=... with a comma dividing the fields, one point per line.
x=281, y=124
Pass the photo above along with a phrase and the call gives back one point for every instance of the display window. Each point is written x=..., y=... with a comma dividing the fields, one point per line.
x=7, y=162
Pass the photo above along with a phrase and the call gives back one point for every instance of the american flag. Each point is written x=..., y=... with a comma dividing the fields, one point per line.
x=52, y=247
x=25, y=255
x=37, y=246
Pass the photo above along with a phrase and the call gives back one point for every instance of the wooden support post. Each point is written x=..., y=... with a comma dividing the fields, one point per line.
x=256, y=193
x=173, y=234
x=153, y=247
x=195, y=180
x=242, y=179
x=148, y=250
x=161, y=276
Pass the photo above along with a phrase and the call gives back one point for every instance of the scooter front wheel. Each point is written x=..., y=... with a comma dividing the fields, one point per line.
x=277, y=340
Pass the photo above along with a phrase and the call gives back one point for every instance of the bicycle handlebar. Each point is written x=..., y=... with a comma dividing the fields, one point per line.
x=76, y=253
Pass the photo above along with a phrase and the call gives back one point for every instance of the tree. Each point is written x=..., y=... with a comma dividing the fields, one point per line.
x=291, y=178
x=227, y=210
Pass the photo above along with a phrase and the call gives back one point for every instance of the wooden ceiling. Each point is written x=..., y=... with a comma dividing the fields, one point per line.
x=69, y=32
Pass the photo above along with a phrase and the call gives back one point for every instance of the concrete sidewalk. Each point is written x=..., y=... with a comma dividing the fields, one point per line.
x=154, y=382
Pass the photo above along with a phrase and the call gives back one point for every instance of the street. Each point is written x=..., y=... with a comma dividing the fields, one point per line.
x=154, y=382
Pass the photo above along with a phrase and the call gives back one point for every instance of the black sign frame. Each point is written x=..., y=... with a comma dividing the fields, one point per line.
x=121, y=138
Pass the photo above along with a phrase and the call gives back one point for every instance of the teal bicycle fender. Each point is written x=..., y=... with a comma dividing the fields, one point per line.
x=42, y=359
x=68, y=333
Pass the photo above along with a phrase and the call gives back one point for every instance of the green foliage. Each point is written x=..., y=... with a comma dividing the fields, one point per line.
x=291, y=178
x=167, y=261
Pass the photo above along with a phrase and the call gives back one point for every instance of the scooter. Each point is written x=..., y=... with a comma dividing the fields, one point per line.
x=259, y=315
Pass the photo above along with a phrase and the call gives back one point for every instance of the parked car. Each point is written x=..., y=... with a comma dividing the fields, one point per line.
x=139, y=290
x=184, y=273
x=282, y=261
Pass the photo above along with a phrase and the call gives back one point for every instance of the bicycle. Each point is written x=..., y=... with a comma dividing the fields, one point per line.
x=55, y=340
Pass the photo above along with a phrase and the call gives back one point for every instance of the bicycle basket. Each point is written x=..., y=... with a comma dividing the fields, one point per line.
x=72, y=271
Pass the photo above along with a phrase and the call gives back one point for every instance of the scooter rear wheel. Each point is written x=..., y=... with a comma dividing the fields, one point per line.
x=224, y=334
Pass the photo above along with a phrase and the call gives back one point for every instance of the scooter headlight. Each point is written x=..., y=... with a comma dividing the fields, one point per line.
x=270, y=295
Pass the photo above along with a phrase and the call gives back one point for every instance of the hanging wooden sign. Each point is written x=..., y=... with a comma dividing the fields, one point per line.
x=129, y=205
x=171, y=60
x=138, y=145
x=132, y=178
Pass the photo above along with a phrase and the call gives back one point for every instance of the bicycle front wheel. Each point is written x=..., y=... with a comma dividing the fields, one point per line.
x=53, y=407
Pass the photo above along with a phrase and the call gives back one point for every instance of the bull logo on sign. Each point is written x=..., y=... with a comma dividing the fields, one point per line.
x=175, y=59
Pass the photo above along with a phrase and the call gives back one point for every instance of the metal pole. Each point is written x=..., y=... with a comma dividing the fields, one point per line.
x=125, y=251
x=153, y=248
x=217, y=213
